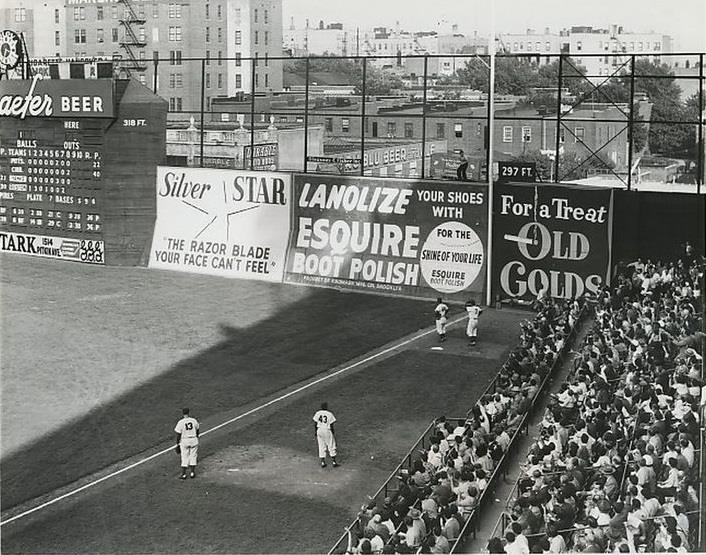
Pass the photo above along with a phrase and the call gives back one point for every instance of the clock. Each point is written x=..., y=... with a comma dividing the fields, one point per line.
x=10, y=49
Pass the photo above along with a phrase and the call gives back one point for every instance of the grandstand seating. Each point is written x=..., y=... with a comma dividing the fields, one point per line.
x=618, y=463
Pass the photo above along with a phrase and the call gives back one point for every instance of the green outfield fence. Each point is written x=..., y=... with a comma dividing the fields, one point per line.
x=390, y=485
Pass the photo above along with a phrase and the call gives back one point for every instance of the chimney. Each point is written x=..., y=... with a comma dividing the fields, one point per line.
x=546, y=30
x=291, y=24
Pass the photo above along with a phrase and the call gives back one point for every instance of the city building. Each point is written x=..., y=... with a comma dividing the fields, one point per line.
x=169, y=36
x=331, y=38
x=601, y=51
x=42, y=24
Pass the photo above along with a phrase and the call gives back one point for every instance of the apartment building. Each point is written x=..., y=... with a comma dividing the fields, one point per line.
x=162, y=42
x=42, y=24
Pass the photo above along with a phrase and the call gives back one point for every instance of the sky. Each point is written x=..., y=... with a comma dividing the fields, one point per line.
x=684, y=20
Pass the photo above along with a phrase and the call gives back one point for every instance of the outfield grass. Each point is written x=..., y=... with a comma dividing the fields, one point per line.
x=259, y=488
x=96, y=362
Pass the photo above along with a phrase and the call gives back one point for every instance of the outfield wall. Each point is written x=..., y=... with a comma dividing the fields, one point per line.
x=402, y=237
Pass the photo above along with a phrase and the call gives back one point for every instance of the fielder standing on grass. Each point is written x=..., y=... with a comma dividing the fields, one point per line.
x=187, y=443
x=323, y=430
x=472, y=327
x=440, y=315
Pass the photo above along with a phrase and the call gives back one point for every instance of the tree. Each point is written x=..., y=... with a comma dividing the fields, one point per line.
x=512, y=75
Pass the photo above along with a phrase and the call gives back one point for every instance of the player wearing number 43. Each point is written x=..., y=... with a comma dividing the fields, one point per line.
x=472, y=327
x=324, y=433
x=187, y=443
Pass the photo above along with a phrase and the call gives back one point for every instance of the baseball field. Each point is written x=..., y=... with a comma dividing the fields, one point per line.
x=98, y=362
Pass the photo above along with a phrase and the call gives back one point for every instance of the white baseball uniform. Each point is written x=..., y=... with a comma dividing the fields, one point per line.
x=189, y=442
x=440, y=311
x=324, y=436
x=472, y=327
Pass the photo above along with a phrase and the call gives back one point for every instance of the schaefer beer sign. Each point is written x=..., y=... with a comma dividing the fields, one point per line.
x=554, y=239
x=412, y=238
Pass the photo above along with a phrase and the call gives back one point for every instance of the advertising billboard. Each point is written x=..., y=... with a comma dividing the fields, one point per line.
x=229, y=223
x=410, y=238
x=550, y=238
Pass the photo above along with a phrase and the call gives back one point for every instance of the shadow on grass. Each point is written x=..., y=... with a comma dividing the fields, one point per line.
x=321, y=330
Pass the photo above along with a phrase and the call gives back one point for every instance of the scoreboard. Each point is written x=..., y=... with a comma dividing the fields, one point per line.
x=61, y=165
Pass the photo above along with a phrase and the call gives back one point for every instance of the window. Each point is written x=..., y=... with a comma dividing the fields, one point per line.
x=562, y=137
x=21, y=14
x=57, y=38
x=220, y=57
x=255, y=60
x=547, y=46
x=265, y=16
x=155, y=10
x=526, y=134
x=57, y=16
x=267, y=59
x=238, y=60
x=345, y=125
x=255, y=15
x=114, y=34
x=479, y=129
x=514, y=47
x=155, y=54
x=99, y=13
x=267, y=80
x=238, y=37
x=538, y=46
x=114, y=11
x=175, y=34
x=99, y=35
x=579, y=133
x=141, y=34
x=155, y=34
x=208, y=34
x=408, y=130
x=76, y=13
x=208, y=80
x=142, y=54
x=440, y=130
x=220, y=80
x=639, y=47
x=458, y=130
x=174, y=11
x=391, y=128
x=208, y=57
x=329, y=124
x=220, y=34
x=219, y=11
x=80, y=36
x=237, y=16
x=257, y=80
x=238, y=81
x=208, y=11
x=267, y=39
x=658, y=46
x=507, y=134
x=256, y=35
x=175, y=57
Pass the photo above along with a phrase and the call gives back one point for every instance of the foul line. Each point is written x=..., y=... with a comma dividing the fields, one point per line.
x=226, y=423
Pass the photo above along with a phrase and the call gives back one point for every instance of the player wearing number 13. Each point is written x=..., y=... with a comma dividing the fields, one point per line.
x=187, y=443
x=323, y=430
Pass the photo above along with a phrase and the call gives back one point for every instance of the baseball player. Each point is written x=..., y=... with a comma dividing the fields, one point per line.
x=472, y=327
x=187, y=443
x=440, y=314
x=323, y=430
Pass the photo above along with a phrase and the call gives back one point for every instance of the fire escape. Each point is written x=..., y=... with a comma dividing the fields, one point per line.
x=132, y=44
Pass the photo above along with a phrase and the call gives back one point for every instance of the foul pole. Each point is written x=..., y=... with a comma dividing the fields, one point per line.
x=489, y=169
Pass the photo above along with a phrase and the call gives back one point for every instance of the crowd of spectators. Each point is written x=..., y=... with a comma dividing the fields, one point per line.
x=615, y=466
x=445, y=482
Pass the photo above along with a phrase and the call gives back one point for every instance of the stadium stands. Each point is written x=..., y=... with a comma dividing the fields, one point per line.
x=430, y=501
x=617, y=465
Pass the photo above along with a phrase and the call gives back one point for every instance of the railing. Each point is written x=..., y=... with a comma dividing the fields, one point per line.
x=470, y=523
x=499, y=469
